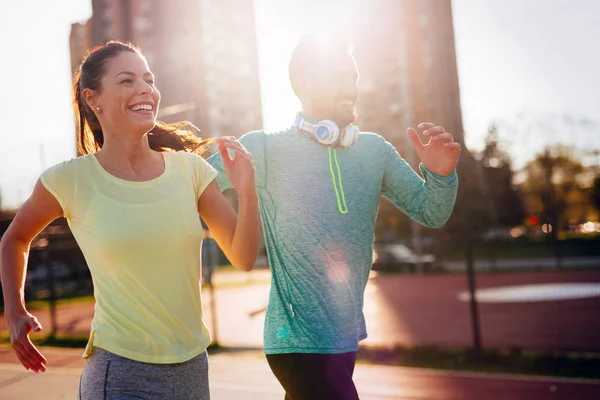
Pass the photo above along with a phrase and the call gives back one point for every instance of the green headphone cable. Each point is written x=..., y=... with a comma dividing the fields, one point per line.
x=341, y=200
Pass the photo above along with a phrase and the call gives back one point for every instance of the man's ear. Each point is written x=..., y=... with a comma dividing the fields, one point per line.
x=90, y=97
x=303, y=88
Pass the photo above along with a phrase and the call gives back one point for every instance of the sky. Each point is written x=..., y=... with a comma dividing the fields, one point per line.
x=530, y=65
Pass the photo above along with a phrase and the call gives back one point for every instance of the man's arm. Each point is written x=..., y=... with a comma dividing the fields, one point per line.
x=428, y=201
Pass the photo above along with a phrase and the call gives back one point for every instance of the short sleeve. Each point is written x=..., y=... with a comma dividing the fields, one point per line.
x=204, y=174
x=59, y=180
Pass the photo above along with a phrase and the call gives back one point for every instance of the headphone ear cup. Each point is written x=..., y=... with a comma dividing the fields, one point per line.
x=350, y=136
x=327, y=132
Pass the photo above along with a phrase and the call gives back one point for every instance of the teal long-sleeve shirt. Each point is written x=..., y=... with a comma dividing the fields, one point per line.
x=320, y=258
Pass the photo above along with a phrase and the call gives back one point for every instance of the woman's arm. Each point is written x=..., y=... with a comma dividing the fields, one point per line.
x=238, y=235
x=37, y=212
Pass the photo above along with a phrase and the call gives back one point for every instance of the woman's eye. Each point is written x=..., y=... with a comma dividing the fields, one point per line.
x=150, y=82
x=126, y=81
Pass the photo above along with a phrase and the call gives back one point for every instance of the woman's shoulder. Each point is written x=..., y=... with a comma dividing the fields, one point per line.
x=183, y=156
x=184, y=160
x=70, y=166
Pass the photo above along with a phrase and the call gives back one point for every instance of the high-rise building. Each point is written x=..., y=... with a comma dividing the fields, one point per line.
x=79, y=42
x=406, y=57
x=203, y=54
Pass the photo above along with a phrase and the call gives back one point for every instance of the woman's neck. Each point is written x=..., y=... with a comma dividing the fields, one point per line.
x=127, y=152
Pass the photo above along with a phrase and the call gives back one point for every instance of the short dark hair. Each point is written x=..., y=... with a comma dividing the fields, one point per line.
x=311, y=51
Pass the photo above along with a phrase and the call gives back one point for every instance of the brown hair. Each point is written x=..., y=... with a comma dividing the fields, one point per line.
x=90, y=138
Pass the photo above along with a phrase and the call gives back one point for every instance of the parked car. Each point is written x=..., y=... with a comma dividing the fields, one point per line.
x=37, y=282
x=399, y=258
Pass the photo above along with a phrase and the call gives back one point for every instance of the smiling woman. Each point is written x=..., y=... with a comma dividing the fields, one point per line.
x=131, y=110
x=134, y=203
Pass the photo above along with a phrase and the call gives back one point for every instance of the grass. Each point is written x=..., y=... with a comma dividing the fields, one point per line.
x=510, y=361
x=526, y=248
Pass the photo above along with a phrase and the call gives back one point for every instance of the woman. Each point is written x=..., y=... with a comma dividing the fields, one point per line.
x=132, y=202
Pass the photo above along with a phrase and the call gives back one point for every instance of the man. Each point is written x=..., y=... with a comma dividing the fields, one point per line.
x=319, y=194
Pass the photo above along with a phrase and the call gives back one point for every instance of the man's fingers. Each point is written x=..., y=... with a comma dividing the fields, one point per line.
x=452, y=145
x=425, y=125
x=444, y=137
x=436, y=130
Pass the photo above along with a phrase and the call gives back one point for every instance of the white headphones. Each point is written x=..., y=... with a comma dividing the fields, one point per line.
x=327, y=132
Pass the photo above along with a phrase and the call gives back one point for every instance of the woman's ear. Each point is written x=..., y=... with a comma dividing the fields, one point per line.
x=89, y=96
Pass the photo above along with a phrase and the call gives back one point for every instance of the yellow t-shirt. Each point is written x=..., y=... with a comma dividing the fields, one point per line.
x=142, y=243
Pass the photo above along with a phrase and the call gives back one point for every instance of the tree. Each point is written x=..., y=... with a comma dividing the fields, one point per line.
x=505, y=201
x=471, y=203
x=550, y=180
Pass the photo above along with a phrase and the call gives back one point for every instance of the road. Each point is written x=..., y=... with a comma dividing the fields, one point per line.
x=246, y=376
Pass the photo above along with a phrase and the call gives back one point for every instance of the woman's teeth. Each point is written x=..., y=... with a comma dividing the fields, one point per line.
x=146, y=107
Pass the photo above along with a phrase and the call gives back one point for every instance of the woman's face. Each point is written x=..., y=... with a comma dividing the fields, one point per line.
x=127, y=97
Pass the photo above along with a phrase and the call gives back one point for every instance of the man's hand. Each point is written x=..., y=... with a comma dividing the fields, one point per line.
x=441, y=152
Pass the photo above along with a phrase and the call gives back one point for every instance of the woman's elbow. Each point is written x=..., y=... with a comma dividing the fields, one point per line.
x=246, y=263
x=247, y=267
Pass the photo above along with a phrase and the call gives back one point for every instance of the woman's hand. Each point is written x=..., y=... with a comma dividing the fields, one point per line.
x=240, y=168
x=19, y=327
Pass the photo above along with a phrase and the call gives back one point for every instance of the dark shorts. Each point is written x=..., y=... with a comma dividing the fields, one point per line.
x=315, y=376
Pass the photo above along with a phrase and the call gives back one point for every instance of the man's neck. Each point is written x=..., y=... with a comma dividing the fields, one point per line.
x=314, y=117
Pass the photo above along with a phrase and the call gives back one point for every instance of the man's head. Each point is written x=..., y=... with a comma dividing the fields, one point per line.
x=324, y=77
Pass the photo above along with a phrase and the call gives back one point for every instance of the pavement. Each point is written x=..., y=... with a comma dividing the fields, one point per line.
x=245, y=375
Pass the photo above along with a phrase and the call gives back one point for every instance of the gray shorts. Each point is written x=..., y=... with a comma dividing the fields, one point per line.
x=107, y=376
